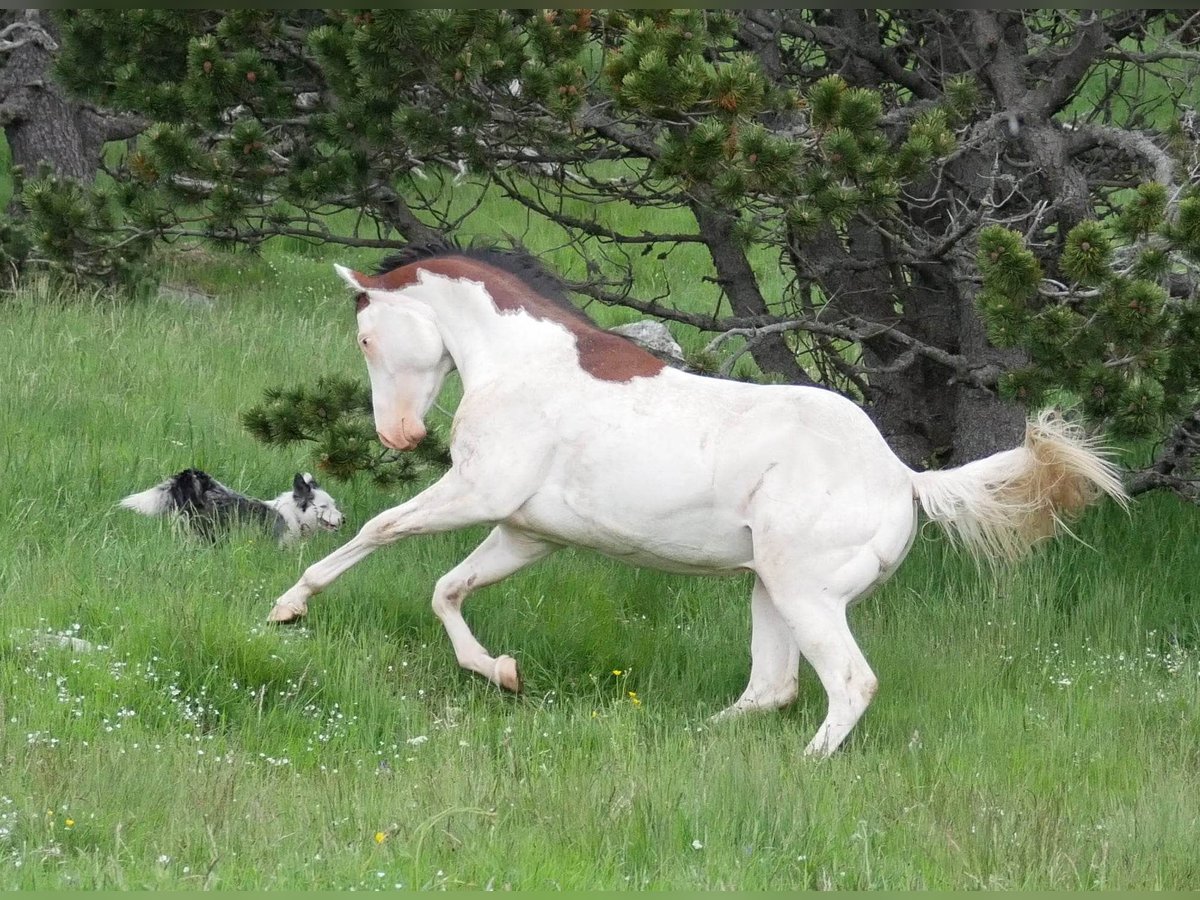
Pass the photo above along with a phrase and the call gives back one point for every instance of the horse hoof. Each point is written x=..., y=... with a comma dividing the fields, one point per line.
x=508, y=676
x=281, y=613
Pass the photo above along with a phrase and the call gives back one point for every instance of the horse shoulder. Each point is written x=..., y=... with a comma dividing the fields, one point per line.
x=501, y=445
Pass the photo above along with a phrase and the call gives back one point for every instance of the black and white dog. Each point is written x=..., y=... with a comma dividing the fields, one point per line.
x=209, y=507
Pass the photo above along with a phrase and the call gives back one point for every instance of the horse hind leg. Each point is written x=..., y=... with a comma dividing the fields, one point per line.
x=774, y=659
x=816, y=614
x=502, y=552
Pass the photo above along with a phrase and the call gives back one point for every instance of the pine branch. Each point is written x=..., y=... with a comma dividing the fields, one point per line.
x=1133, y=144
x=856, y=331
x=882, y=58
x=1070, y=67
x=1175, y=465
x=592, y=228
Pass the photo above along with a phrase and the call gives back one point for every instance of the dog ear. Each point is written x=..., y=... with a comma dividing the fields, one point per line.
x=302, y=489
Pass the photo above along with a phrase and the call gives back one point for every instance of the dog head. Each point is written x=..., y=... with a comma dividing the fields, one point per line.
x=315, y=509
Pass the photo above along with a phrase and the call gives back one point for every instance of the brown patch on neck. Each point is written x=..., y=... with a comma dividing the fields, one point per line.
x=602, y=355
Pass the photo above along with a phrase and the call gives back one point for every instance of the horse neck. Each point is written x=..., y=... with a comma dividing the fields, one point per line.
x=486, y=343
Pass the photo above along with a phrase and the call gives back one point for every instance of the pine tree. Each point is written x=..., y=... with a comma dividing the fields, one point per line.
x=958, y=244
x=1111, y=334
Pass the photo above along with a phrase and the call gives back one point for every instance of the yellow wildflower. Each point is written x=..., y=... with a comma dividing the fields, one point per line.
x=618, y=672
x=380, y=837
x=70, y=823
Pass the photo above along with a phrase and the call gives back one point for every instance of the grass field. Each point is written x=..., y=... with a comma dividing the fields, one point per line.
x=1036, y=728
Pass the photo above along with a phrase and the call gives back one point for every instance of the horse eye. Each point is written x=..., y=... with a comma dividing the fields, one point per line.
x=363, y=341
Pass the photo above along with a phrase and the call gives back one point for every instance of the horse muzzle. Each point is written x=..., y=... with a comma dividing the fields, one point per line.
x=406, y=437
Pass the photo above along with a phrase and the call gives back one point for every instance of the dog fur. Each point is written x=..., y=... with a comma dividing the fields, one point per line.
x=210, y=508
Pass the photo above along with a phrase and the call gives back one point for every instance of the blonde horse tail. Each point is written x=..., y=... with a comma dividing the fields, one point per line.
x=1002, y=505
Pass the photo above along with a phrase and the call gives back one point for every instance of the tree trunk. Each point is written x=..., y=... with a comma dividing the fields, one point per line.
x=915, y=407
x=41, y=123
x=984, y=423
x=1176, y=462
x=737, y=279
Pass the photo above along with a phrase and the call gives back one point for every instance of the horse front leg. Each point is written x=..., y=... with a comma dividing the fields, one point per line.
x=449, y=504
x=503, y=552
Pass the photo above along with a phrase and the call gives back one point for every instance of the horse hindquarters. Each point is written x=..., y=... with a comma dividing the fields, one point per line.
x=813, y=559
x=999, y=506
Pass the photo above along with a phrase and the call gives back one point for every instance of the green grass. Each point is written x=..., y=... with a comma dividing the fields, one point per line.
x=1034, y=729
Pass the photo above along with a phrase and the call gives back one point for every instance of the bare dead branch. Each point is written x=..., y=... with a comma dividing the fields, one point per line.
x=27, y=30
x=1175, y=464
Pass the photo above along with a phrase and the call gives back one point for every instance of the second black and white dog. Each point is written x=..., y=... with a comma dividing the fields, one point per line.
x=209, y=507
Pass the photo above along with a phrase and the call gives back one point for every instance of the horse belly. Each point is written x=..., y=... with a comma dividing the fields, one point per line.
x=687, y=539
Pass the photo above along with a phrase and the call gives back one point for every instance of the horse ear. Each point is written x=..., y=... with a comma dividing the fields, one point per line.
x=352, y=278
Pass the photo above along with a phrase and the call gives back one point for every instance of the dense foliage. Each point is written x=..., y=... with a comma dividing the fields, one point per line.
x=1112, y=333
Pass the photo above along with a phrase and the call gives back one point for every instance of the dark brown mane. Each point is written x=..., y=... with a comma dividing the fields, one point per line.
x=520, y=263
x=516, y=282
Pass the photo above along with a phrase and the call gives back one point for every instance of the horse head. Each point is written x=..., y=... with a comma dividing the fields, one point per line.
x=407, y=360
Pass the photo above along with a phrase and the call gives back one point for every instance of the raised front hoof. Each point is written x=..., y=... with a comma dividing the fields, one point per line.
x=283, y=613
x=507, y=675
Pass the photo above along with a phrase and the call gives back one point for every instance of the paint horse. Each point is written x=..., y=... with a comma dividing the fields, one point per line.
x=567, y=434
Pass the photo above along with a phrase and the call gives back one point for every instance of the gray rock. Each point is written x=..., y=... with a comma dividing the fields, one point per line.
x=186, y=296
x=653, y=335
x=59, y=641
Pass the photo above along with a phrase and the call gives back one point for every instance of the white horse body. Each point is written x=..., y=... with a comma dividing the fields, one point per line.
x=712, y=458
x=667, y=470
